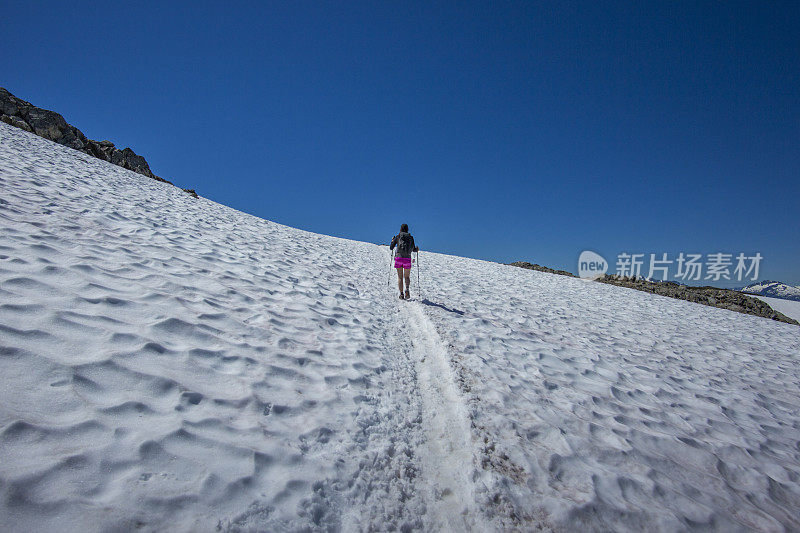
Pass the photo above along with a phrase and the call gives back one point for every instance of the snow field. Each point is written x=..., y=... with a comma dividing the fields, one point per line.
x=173, y=364
x=170, y=363
x=790, y=308
x=608, y=408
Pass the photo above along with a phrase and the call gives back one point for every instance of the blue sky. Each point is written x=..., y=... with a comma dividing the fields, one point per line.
x=497, y=130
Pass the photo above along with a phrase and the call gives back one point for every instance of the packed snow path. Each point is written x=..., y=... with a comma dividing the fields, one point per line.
x=168, y=363
x=448, y=449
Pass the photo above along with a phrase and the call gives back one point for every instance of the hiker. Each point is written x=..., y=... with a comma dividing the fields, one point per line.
x=402, y=258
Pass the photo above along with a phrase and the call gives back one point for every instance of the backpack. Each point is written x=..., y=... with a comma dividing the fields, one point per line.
x=404, y=245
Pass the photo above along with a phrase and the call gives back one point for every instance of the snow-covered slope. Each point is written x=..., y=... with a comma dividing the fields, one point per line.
x=773, y=289
x=170, y=363
x=790, y=308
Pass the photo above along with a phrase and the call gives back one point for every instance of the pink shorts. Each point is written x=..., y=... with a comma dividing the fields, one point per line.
x=402, y=262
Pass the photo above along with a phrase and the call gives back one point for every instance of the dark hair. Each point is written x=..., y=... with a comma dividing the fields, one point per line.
x=404, y=227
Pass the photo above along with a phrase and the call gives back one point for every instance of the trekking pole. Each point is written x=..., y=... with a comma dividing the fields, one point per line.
x=419, y=285
x=391, y=260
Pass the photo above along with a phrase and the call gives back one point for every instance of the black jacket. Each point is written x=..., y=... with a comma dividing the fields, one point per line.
x=411, y=248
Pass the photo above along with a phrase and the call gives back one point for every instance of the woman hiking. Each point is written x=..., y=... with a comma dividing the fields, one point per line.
x=402, y=259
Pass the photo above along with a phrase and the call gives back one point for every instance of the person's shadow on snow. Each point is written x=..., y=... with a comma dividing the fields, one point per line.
x=440, y=306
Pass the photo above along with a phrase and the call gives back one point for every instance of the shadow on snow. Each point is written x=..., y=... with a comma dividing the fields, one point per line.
x=441, y=306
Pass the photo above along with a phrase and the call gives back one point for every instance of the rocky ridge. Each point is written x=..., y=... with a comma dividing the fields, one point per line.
x=540, y=268
x=52, y=126
x=711, y=296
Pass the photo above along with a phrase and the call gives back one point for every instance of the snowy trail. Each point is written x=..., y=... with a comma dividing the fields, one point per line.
x=449, y=455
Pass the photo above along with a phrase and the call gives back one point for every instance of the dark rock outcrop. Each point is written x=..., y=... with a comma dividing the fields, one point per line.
x=17, y=122
x=52, y=126
x=540, y=268
x=712, y=296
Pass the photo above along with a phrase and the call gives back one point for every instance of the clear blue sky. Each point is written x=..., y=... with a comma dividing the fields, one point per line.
x=497, y=130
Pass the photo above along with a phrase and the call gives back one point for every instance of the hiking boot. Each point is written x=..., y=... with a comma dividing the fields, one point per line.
x=408, y=295
x=401, y=296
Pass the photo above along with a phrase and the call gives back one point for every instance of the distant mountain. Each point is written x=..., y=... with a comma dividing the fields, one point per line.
x=773, y=289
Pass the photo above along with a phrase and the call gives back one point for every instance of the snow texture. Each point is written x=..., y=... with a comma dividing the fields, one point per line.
x=168, y=363
x=790, y=308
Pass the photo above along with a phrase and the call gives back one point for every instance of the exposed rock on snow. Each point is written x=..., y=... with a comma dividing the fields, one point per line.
x=722, y=298
x=16, y=122
x=52, y=126
x=790, y=308
x=540, y=268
